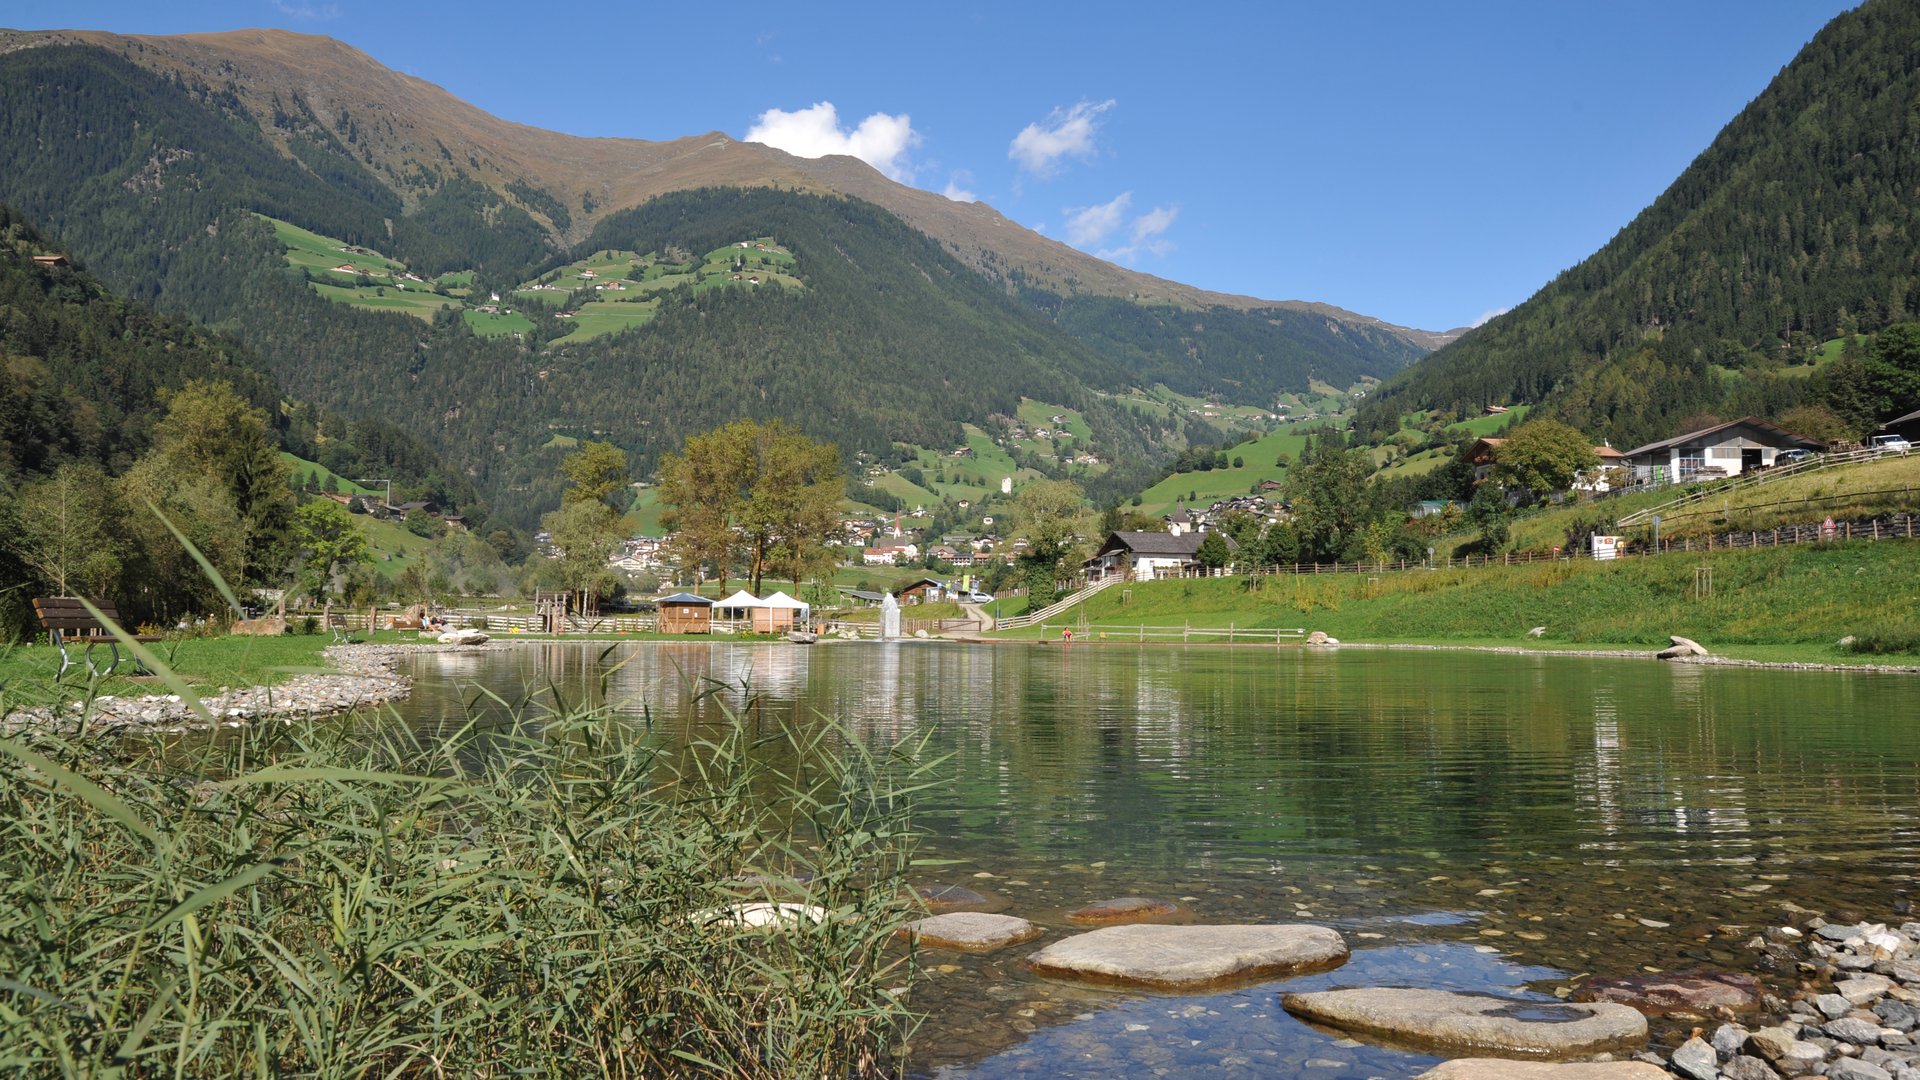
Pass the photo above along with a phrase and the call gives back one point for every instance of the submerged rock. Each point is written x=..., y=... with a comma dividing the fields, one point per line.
x=1190, y=957
x=971, y=931
x=1504, y=1069
x=1680, y=991
x=1122, y=909
x=1478, y=1022
x=943, y=898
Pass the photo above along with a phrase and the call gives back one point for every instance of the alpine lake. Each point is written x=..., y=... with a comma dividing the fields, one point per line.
x=1469, y=821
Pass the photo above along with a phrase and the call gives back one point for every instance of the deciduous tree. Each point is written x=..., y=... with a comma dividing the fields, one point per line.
x=69, y=530
x=597, y=472
x=330, y=542
x=1542, y=456
x=763, y=491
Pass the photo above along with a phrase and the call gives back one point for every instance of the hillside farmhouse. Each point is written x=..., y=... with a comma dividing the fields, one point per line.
x=1727, y=449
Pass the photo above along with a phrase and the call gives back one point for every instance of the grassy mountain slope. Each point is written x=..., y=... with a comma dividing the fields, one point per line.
x=1794, y=226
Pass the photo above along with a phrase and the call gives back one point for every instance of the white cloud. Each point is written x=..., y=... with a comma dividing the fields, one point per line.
x=1064, y=133
x=881, y=141
x=307, y=12
x=1089, y=225
x=957, y=189
x=1487, y=317
x=1153, y=223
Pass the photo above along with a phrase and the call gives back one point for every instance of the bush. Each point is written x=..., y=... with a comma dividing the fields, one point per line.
x=351, y=899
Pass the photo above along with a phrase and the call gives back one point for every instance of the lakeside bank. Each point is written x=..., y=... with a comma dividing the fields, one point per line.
x=1790, y=606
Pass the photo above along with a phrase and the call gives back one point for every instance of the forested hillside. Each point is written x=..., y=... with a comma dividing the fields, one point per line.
x=157, y=181
x=1239, y=355
x=1796, y=226
x=82, y=371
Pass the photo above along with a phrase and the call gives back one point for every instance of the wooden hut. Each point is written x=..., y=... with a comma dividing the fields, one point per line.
x=685, y=613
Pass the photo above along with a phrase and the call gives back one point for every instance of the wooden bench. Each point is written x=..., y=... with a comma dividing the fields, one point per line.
x=67, y=621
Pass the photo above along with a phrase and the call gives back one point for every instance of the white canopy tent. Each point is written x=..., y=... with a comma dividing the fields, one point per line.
x=739, y=602
x=777, y=613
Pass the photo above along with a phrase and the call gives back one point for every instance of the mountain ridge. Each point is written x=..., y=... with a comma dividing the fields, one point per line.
x=414, y=134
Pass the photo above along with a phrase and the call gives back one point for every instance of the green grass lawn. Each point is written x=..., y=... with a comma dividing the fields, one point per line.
x=1482, y=426
x=310, y=249
x=1259, y=456
x=206, y=664
x=1417, y=465
x=496, y=325
x=626, y=303
x=419, y=304
x=644, y=518
x=1794, y=601
x=302, y=468
x=393, y=547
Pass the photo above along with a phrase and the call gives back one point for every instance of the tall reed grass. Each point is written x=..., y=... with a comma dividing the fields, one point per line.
x=543, y=897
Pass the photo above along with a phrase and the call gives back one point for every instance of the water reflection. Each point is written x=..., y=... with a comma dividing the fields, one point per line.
x=1539, y=806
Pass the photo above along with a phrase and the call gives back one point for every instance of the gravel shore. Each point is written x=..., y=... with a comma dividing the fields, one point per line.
x=364, y=676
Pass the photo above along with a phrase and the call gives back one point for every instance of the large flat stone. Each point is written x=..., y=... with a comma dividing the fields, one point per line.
x=1190, y=957
x=1508, y=1069
x=971, y=931
x=1480, y=1023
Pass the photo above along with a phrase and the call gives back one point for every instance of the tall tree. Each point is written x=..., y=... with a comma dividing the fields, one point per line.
x=1046, y=514
x=765, y=491
x=1542, y=456
x=210, y=431
x=586, y=533
x=330, y=542
x=69, y=530
x=596, y=472
x=1328, y=492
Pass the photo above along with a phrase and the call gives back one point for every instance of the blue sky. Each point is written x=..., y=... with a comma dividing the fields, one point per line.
x=1426, y=163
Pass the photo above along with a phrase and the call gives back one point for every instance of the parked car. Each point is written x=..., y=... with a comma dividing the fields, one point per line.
x=976, y=598
x=1792, y=457
x=1889, y=444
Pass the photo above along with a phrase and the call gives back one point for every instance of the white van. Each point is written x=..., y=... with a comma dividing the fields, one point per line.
x=1889, y=444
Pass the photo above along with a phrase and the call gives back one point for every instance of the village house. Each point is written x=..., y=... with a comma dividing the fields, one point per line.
x=923, y=591
x=890, y=554
x=1727, y=449
x=1144, y=556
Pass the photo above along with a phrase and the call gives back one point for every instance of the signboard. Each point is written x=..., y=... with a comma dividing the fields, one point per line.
x=1606, y=547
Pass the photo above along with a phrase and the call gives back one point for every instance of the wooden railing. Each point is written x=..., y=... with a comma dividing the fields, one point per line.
x=1701, y=491
x=1031, y=618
